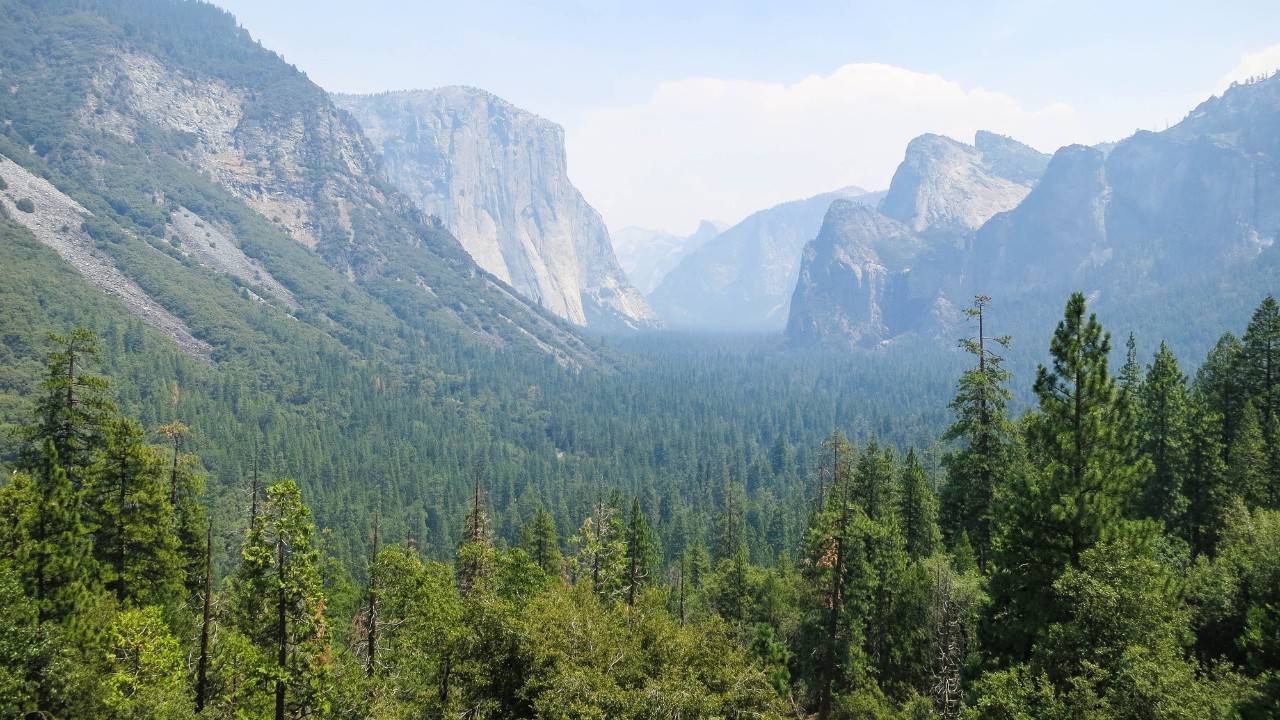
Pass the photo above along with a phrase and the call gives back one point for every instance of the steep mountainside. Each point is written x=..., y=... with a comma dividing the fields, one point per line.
x=154, y=115
x=648, y=255
x=496, y=176
x=875, y=274
x=1149, y=227
x=743, y=279
x=852, y=277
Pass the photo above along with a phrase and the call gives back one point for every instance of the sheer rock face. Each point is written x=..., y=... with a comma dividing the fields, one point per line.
x=744, y=278
x=874, y=274
x=853, y=280
x=496, y=176
x=947, y=187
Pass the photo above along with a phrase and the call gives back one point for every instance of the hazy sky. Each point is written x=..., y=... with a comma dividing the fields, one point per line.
x=676, y=111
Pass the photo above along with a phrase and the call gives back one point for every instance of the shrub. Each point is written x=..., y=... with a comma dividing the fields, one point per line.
x=25, y=205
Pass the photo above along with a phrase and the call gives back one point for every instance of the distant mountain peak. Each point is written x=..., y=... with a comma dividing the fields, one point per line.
x=946, y=186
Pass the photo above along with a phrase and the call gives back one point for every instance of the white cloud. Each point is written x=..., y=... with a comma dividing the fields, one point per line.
x=1263, y=62
x=707, y=147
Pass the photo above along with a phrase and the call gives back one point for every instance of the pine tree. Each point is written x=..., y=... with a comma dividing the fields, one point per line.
x=290, y=621
x=72, y=407
x=874, y=483
x=918, y=510
x=1084, y=436
x=475, y=555
x=540, y=540
x=1205, y=481
x=1087, y=475
x=136, y=535
x=1221, y=379
x=1262, y=359
x=56, y=555
x=642, y=553
x=985, y=459
x=1248, y=460
x=600, y=551
x=1130, y=380
x=1165, y=441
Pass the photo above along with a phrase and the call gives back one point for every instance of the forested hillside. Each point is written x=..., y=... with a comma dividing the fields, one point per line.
x=1113, y=551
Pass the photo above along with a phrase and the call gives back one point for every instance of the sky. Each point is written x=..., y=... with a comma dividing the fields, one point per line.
x=678, y=111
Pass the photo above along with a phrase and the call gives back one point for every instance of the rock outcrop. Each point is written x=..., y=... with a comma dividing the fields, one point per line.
x=853, y=284
x=947, y=187
x=744, y=278
x=496, y=176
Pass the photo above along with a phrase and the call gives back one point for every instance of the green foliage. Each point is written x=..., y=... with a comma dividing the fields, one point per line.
x=25, y=205
x=149, y=671
x=1086, y=475
x=987, y=453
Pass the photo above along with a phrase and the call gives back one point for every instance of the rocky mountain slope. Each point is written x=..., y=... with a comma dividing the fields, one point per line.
x=497, y=177
x=1150, y=228
x=743, y=279
x=152, y=114
x=648, y=255
x=872, y=274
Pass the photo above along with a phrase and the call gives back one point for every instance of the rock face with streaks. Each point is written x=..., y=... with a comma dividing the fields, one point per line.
x=57, y=221
x=497, y=177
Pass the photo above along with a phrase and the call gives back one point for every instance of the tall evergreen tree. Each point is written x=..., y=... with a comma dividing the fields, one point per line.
x=136, y=533
x=1221, y=379
x=1205, y=480
x=1088, y=473
x=1130, y=380
x=475, y=555
x=72, y=406
x=918, y=510
x=1262, y=359
x=1248, y=460
x=642, y=552
x=540, y=540
x=291, y=625
x=982, y=426
x=1162, y=422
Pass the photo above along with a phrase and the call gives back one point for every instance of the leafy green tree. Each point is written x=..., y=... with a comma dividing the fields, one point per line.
x=1165, y=439
x=20, y=646
x=984, y=461
x=918, y=510
x=148, y=676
